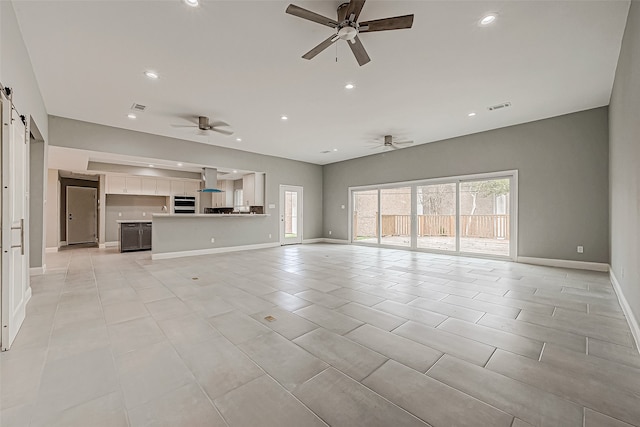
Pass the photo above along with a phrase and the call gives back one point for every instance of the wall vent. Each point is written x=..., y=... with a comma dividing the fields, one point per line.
x=138, y=107
x=499, y=106
x=325, y=152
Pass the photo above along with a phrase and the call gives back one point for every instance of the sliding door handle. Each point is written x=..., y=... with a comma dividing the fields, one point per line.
x=21, y=228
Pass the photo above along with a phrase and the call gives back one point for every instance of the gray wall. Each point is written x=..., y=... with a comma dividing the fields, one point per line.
x=562, y=166
x=131, y=207
x=187, y=233
x=89, y=136
x=53, y=210
x=624, y=157
x=36, y=202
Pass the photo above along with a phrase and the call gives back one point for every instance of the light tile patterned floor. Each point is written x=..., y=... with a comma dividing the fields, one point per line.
x=318, y=334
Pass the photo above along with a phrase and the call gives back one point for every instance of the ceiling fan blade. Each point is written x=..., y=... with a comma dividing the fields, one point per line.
x=403, y=142
x=395, y=23
x=294, y=10
x=184, y=126
x=359, y=51
x=322, y=46
x=222, y=131
x=354, y=9
x=219, y=123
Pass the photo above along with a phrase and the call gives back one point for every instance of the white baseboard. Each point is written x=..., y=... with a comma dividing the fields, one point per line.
x=338, y=241
x=63, y=243
x=51, y=250
x=37, y=271
x=108, y=245
x=182, y=254
x=565, y=263
x=626, y=309
x=307, y=241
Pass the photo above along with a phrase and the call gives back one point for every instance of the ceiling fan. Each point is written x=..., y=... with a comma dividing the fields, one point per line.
x=389, y=142
x=205, y=125
x=347, y=27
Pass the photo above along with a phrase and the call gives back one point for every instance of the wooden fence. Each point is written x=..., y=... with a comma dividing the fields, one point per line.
x=485, y=226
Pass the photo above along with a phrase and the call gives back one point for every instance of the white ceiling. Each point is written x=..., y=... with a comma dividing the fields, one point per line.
x=240, y=61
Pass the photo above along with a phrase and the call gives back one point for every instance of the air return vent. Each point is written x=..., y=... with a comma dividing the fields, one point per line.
x=500, y=106
x=138, y=107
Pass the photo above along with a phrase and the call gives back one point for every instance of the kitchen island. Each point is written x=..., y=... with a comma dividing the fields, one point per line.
x=200, y=234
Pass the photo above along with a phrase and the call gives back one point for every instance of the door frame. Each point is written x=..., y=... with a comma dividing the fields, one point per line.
x=300, y=190
x=95, y=210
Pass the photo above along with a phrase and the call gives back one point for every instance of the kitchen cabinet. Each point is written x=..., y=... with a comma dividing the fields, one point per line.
x=225, y=198
x=135, y=236
x=184, y=188
x=117, y=184
x=253, y=189
x=149, y=186
x=163, y=187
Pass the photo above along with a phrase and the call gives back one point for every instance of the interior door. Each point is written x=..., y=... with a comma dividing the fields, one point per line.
x=15, y=277
x=290, y=215
x=82, y=212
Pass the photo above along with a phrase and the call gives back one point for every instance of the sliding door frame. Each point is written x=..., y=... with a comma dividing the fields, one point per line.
x=512, y=175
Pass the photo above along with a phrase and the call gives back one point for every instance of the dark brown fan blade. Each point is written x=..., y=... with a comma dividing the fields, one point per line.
x=395, y=23
x=354, y=8
x=322, y=46
x=310, y=16
x=359, y=51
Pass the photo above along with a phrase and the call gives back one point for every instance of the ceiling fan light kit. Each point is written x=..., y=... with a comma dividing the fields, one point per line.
x=348, y=28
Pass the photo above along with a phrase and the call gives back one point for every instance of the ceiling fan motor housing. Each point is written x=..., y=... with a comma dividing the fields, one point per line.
x=203, y=123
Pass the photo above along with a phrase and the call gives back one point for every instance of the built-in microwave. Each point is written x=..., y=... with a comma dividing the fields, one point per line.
x=184, y=205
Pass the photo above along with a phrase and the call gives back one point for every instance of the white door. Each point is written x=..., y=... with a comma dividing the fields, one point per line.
x=82, y=214
x=290, y=215
x=15, y=277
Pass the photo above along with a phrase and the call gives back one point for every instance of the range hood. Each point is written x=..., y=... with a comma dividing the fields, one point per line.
x=210, y=178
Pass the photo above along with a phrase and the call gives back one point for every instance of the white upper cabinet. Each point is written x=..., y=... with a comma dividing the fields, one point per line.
x=116, y=184
x=253, y=189
x=163, y=187
x=149, y=186
x=119, y=184
x=191, y=188
x=177, y=188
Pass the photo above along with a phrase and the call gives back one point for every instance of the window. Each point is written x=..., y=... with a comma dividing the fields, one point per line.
x=468, y=214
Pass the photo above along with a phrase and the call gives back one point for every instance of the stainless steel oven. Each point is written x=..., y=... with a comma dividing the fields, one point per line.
x=184, y=205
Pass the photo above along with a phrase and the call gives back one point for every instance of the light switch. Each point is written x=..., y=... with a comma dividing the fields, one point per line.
x=341, y=206
x=272, y=206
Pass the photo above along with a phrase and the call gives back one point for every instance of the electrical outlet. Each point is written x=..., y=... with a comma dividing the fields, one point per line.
x=269, y=235
x=144, y=214
x=580, y=249
x=341, y=206
x=213, y=240
x=329, y=232
x=119, y=213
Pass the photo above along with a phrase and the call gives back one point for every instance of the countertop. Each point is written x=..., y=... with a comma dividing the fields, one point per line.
x=208, y=215
x=123, y=221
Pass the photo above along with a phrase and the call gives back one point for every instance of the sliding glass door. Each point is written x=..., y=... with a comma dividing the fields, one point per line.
x=437, y=217
x=467, y=214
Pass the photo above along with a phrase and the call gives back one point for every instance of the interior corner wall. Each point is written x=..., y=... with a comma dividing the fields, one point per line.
x=624, y=167
x=52, y=213
x=37, y=187
x=90, y=136
x=562, y=165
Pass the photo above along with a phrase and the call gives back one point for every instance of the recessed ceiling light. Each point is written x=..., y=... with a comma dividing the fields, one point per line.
x=349, y=86
x=284, y=118
x=471, y=114
x=179, y=164
x=151, y=166
x=488, y=19
x=192, y=3
x=239, y=139
x=131, y=116
x=335, y=149
x=235, y=171
x=151, y=74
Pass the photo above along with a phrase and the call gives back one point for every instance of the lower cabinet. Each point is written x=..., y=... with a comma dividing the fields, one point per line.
x=135, y=236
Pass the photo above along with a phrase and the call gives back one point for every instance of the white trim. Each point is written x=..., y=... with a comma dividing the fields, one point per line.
x=51, y=250
x=37, y=271
x=565, y=263
x=108, y=244
x=197, y=252
x=300, y=214
x=337, y=241
x=27, y=296
x=102, y=245
x=307, y=241
x=63, y=243
x=626, y=309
